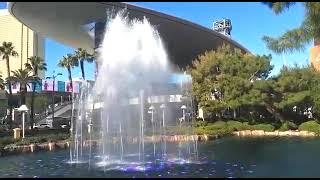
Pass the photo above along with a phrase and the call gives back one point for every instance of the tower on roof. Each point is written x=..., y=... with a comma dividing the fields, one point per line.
x=223, y=26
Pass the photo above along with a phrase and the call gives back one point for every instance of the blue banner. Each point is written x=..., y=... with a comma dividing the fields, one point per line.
x=61, y=86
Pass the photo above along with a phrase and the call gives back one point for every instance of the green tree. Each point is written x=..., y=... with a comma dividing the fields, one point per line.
x=35, y=64
x=23, y=77
x=297, y=38
x=69, y=61
x=7, y=50
x=223, y=78
x=296, y=93
x=82, y=55
x=40, y=104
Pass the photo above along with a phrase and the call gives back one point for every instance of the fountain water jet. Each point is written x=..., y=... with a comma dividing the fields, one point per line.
x=133, y=60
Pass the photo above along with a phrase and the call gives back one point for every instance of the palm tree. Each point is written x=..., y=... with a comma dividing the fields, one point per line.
x=82, y=55
x=69, y=61
x=296, y=39
x=7, y=50
x=35, y=64
x=23, y=77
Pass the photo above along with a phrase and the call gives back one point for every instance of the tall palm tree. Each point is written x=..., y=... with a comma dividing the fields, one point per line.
x=7, y=50
x=23, y=77
x=82, y=55
x=69, y=61
x=35, y=64
x=297, y=38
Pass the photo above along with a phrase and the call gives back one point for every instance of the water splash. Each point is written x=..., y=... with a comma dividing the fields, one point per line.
x=133, y=59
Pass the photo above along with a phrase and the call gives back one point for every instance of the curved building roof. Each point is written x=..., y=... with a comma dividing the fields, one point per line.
x=64, y=21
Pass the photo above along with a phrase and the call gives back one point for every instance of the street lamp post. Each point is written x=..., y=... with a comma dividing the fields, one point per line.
x=54, y=81
x=183, y=107
x=23, y=109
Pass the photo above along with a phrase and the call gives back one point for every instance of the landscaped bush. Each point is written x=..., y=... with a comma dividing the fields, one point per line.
x=284, y=127
x=265, y=127
x=37, y=132
x=200, y=123
x=311, y=126
x=177, y=130
x=288, y=126
x=43, y=139
x=216, y=128
x=247, y=126
x=220, y=123
x=212, y=130
x=235, y=125
x=5, y=141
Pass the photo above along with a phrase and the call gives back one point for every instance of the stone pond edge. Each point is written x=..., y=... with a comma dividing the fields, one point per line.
x=51, y=146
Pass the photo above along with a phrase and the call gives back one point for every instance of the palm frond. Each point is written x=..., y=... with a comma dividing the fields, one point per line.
x=295, y=39
x=279, y=7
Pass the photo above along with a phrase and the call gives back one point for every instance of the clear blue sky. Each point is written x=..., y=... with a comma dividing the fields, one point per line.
x=250, y=21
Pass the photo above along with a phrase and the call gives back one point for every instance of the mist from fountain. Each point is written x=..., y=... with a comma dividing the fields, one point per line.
x=133, y=60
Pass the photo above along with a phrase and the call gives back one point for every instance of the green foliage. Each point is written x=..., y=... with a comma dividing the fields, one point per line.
x=82, y=55
x=223, y=79
x=40, y=103
x=311, y=126
x=174, y=130
x=288, y=126
x=43, y=139
x=297, y=38
x=224, y=128
x=219, y=124
x=35, y=137
x=5, y=141
x=23, y=77
x=265, y=127
x=200, y=123
x=236, y=126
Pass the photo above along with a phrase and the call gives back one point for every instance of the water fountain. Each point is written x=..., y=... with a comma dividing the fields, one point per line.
x=133, y=60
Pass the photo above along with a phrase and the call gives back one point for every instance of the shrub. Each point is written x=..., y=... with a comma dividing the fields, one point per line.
x=220, y=123
x=200, y=123
x=265, y=127
x=288, y=126
x=247, y=126
x=5, y=141
x=43, y=139
x=216, y=128
x=284, y=127
x=235, y=125
x=311, y=126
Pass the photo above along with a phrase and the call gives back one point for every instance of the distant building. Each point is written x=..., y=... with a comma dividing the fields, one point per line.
x=26, y=42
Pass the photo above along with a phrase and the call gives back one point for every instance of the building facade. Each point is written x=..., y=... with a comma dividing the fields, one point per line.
x=26, y=42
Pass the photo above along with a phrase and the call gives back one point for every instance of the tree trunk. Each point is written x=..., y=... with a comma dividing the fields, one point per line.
x=70, y=79
x=82, y=69
x=23, y=90
x=10, y=92
x=32, y=105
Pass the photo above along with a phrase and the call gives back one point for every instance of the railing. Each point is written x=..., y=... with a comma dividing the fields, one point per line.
x=44, y=115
